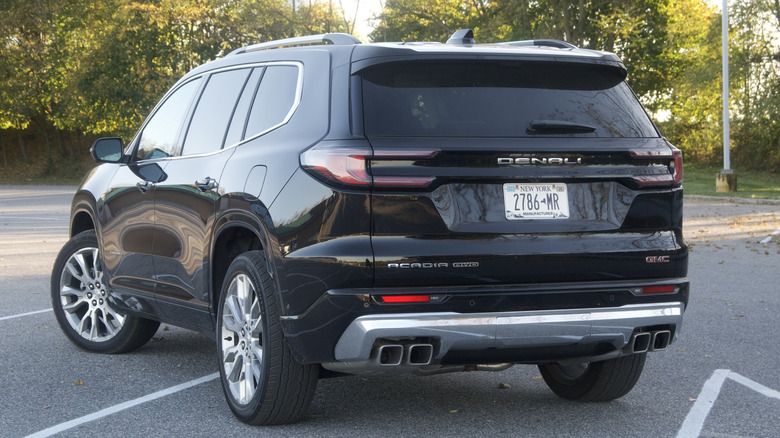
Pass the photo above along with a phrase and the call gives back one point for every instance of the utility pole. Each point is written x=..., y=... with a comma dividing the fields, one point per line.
x=726, y=180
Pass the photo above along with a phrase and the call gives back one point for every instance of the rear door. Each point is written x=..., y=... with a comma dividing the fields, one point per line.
x=507, y=172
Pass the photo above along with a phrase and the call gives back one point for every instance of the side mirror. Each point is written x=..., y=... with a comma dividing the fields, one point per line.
x=107, y=150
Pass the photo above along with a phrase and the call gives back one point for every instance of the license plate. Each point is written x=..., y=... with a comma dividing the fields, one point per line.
x=536, y=201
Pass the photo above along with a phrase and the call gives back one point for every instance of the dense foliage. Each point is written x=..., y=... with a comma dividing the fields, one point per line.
x=72, y=69
x=672, y=49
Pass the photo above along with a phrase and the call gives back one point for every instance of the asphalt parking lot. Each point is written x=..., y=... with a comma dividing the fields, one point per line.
x=720, y=379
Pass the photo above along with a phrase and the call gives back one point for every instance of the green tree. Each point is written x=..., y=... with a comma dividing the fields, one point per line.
x=693, y=101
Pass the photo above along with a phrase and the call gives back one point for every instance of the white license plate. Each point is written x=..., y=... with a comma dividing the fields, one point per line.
x=536, y=201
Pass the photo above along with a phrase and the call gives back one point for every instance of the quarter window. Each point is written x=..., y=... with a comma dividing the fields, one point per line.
x=274, y=99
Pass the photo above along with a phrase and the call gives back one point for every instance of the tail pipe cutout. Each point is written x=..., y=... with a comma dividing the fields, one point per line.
x=656, y=340
x=396, y=354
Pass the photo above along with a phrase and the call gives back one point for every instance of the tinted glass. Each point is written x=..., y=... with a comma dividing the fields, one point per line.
x=238, y=122
x=501, y=99
x=215, y=107
x=160, y=135
x=274, y=99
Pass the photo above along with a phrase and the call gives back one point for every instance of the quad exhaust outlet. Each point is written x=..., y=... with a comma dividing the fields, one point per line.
x=656, y=340
x=404, y=354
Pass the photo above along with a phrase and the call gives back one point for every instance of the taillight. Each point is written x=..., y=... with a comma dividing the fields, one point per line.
x=674, y=167
x=344, y=165
x=677, y=166
x=350, y=166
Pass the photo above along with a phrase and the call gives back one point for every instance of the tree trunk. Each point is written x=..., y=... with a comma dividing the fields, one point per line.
x=2, y=144
x=60, y=144
x=49, y=157
x=20, y=137
x=71, y=147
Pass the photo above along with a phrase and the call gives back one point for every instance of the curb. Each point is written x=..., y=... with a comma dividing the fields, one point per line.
x=732, y=200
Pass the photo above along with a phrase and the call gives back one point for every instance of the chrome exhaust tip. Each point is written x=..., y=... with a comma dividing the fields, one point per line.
x=419, y=354
x=390, y=355
x=640, y=342
x=661, y=339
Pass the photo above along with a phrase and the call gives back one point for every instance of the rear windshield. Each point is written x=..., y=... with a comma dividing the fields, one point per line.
x=500, y=99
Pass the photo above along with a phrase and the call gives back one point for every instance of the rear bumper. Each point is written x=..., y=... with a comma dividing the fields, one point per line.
x=503, y=330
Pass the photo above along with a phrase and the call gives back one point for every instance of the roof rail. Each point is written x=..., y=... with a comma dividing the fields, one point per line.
x=541, y=43
x=341, y=39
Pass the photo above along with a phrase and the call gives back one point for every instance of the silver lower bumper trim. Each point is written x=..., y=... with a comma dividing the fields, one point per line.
x=477, y=331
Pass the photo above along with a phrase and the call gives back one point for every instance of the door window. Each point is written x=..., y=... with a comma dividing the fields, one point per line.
x=159, y=138
x=215, y=107
x=238, y=122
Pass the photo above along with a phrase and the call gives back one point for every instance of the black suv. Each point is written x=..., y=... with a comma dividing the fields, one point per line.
x=322, y=207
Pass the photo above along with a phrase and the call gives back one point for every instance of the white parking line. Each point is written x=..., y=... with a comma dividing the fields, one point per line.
x=709, y=393
x=121, y=407
x=25, y=314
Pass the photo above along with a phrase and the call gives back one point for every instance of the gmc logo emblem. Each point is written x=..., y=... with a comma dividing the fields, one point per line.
x=657, y=259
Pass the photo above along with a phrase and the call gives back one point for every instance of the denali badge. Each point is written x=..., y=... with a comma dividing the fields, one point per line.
x=530, y=161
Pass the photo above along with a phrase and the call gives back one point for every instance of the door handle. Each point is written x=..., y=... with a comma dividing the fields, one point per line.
x=144, y=186
x=206, y=184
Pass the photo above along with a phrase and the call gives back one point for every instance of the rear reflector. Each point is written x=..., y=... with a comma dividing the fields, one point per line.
x=405, y=298
x=659, y=289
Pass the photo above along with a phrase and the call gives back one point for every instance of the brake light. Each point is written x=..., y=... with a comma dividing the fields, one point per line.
x=350, y=166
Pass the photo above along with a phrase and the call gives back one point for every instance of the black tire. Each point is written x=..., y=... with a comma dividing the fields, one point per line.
x=262, y=382
x=83, y=306
x=596, y=381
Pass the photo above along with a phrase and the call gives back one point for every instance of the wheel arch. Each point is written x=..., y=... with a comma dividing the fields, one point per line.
x=232, y=238
x=82, y=214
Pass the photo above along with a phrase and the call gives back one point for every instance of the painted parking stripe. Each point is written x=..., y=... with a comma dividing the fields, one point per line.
x=121, y=407
x=709, y=393
x=24, y=314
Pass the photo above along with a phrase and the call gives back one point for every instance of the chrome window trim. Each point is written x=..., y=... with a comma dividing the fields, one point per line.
x=288, y=116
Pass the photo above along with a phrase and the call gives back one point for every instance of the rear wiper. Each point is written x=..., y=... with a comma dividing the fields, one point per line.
x=548, y=127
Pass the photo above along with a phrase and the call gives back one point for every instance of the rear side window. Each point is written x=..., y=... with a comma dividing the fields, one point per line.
x=274, y=99
x=500, y=99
